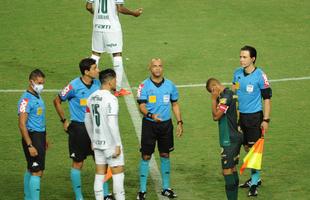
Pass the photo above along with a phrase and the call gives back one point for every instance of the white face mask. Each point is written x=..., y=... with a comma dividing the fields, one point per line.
x=38, y=88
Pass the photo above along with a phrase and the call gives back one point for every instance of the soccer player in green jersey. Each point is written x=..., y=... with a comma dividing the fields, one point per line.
x=224, y=110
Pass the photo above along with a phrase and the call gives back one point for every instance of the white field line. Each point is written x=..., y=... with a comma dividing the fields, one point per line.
x=179, y=86
x=137, y=122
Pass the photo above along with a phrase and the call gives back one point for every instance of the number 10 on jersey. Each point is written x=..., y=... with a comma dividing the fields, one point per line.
x=103, y=6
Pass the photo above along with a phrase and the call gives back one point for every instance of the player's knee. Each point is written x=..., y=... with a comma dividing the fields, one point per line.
x=246, y=148
x=77, y=165
x=228, y=171
x=117, y=169
x=146, y=157
x=117, y=54
x=164, y=155
x=38, y=173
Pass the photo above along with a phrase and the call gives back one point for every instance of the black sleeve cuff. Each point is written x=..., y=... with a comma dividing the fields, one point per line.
x=141, y=101
x=172, y=101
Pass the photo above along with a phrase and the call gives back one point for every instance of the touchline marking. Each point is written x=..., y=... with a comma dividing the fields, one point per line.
x=178, y=86
x=137, y=122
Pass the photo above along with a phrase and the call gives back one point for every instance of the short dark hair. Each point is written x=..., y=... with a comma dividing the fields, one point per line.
x=106, y=75
x=251, y=50
x=36, y=73
x=85, y=64
x=211, y=81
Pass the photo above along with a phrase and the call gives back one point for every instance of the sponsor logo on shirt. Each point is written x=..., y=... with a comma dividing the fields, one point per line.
x=23, y=105
x=65, y=91
x=139, y=90
x=250, y=88
x=266, y=82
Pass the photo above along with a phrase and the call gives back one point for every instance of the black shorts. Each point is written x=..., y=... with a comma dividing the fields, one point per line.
x=251, y=127
x=37, y=163
x=161, y=132
x=230, y=155
x=79, y=142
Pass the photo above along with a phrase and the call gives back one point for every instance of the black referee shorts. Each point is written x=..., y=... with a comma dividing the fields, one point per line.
x=79, y=142
x=250, y=124
x=161, y=132
x=37, y=163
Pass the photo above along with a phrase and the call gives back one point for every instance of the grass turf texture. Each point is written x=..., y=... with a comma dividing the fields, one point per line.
x=196, y=39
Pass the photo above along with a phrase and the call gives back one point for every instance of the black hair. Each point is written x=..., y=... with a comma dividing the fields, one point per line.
x=86, y=64
x=211, y=81
x=106, y=75
x=36, y=73
x=251, y=50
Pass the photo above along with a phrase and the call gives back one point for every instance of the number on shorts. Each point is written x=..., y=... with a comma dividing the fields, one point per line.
x=103, y=6
x=96, y=113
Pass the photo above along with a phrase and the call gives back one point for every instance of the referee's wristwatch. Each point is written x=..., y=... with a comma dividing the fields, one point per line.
x=29, y=145
x=63, y=120
x=266, y=120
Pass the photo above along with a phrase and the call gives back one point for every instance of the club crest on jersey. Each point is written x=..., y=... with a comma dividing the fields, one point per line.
x=266, y=82
x=139, y=90
x=223, y=101
x=23, y=105
x=39, y=111
x=83, y=102
x=152, y=99
x=65, y=91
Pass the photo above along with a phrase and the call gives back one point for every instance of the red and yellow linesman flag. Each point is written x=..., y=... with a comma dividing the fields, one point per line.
x=108, y=175
x=253, y=159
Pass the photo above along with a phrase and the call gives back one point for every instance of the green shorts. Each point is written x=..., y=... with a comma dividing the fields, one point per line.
x=230, y=155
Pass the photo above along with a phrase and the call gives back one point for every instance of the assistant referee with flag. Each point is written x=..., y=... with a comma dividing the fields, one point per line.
x=251, y=86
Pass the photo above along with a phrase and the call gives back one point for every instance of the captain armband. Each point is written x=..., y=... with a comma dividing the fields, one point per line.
x=266, y=93
x=223, y=108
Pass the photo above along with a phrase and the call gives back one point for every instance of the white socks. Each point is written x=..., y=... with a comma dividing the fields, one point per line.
x=98, y=186
x=96, y=58
x=118, y=186
x=119, y=69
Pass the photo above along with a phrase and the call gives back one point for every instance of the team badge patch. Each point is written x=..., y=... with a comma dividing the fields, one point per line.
x=237, y=85
x=23, y=105
x=152, y=99
x=223, y=101
x=39, y=111
x=83, y=102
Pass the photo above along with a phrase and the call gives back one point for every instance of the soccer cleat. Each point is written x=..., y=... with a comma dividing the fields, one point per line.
x=253, y=191
x=141, y=196
x=168, y=193
x=247, y=184
x=121, y=92
x=109, y=197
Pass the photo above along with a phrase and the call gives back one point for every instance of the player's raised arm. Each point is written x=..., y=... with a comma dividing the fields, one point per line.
x=122, y=9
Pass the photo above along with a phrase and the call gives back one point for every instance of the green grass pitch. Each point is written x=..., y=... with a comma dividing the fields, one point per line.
x=196, y=39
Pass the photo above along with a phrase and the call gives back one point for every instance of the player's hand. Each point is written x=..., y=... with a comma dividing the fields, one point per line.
x=264, y=125
x=156, y=118
x=33, y=151
x=66, y=125
x=117, y=152
x=138, y=12
x=180, y=130
x=214, y=93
